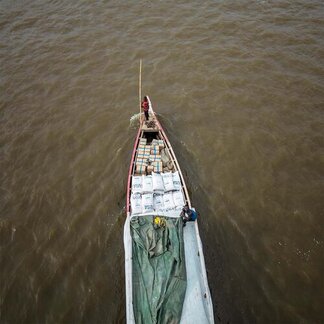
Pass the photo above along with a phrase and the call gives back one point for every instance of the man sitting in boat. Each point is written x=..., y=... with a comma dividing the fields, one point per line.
x=188, y=215
x=145, y=106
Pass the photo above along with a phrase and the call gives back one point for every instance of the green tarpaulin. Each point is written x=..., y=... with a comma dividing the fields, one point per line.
x=159, y=271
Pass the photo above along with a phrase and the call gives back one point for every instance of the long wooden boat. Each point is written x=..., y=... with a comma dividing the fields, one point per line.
x=154, y=297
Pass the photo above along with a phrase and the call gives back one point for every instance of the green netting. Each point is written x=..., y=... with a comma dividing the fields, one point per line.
x=159, y=271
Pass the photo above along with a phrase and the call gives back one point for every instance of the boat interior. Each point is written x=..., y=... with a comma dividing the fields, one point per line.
x=154, y=156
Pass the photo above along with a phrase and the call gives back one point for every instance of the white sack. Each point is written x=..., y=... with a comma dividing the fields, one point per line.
x=147, y=203
x=136, y=184
x=158, y=204
x=147, y=184
x=157, y=182
x=164, y=158
x=168, y=181
x=136, y=203
x=178, y=199
x=155, y=142
x=176, y=180
x=168, y=201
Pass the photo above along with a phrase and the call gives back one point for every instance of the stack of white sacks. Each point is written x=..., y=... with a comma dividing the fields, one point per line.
x=159, y=192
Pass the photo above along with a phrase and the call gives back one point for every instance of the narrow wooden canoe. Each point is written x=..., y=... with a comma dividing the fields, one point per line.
x=197, y=305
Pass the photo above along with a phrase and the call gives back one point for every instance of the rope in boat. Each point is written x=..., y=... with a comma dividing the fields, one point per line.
x=150, y=124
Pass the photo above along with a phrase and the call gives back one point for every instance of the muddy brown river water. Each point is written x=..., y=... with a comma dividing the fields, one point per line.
x=239, y=88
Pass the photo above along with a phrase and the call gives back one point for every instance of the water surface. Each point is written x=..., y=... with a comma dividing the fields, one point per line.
x=239, y=89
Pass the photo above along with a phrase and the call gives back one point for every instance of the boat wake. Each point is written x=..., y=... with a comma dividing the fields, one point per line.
x=134, y=120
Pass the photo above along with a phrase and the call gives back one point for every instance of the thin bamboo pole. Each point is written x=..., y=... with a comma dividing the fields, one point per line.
x=140, y=91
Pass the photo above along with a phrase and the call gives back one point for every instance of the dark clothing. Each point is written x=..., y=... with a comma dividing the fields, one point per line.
x=188, y=215
x=192, y=214
x=145, y=106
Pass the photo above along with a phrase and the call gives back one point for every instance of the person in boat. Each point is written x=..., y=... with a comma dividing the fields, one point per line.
x=145, y=106
x=188, y=214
